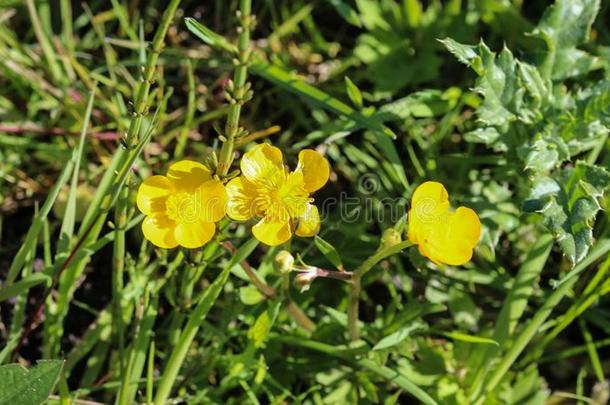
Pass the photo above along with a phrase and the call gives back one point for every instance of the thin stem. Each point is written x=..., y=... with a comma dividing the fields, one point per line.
x=270, y=293
x=337, y=275
x=141, y=100
x=239, y=88
x=353, y=308
x=354, y=296
x=540, y=317
x=45, y=45
x=588, y=297
x=188, y=334
x=190, y=112
x=118, y=269
x=297, y=314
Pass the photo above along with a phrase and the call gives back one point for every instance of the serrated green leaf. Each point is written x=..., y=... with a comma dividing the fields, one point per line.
x=487, y=135
x=565, y=25
x=569, y=204
x=464, y=53
x=545, y=154
x=498, y=81
x=20, y=386
x=533, y=82
x=499, y=86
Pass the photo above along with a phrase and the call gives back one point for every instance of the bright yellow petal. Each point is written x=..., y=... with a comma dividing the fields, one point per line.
x=188, y=174
x=309, y=223
x=429, y=207
x=453, y=255
x=195, y=234
x=212, y=200
x=159, y=230
x=152, y=194
x=431, y=191
x=452, y=240
x=272, y=233
x=465, y=227
x=315, y=168
x=263, y=166
x=242, y=199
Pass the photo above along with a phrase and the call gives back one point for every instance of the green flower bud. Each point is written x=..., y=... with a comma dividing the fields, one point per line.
x=389, y=238
x=283, y=262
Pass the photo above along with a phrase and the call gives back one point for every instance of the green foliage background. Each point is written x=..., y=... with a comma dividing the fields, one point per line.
x=505, y=102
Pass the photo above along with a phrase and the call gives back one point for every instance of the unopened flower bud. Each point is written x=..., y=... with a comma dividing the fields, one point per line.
x=283, y=262
x=304, y=279
x=389, y=238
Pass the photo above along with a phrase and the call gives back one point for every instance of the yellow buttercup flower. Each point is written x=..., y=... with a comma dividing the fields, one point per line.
x=182, y=207
x=266, y=189
x=442, y=236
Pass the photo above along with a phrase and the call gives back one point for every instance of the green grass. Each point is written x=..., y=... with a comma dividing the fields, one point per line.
x=504, y=102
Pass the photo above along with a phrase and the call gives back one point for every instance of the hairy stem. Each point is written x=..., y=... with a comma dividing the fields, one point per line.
x=239, y=89
x=141, y=100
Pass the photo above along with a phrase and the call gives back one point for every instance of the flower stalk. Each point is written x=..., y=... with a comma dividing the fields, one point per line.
x=354, y=296
x=238, y=91
x=269, y=292
x=141, y=100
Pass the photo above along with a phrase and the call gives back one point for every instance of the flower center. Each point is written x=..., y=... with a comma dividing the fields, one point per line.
x=182, y=208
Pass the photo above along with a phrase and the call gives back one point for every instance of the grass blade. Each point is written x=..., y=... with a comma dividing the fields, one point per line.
x=195, y=319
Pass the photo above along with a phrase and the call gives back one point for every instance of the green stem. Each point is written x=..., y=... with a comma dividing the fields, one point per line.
x=269, y=292
x=118, y=269
x=603, y=246
x=188, y=334
x=141, y=100
x=354, y=297
x=353, y=308
x=350, y=354
x=239, y=90
x=48, y=51
x=589, y=296
x=190, y=112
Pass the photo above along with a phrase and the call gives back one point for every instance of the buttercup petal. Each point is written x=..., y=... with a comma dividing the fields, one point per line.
x=263, y=166
x=212, y=199
x=309, y=222
x=188, y=174
x=242, y=199
x=442, y=236
x=465, y=227
x=429, y=207
x=152, y=194
x=194, y=235
x=451, y=254
x=431, y=191
x=452, y=240
x=272, y=233
x=315, y=169
x=159, y=230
